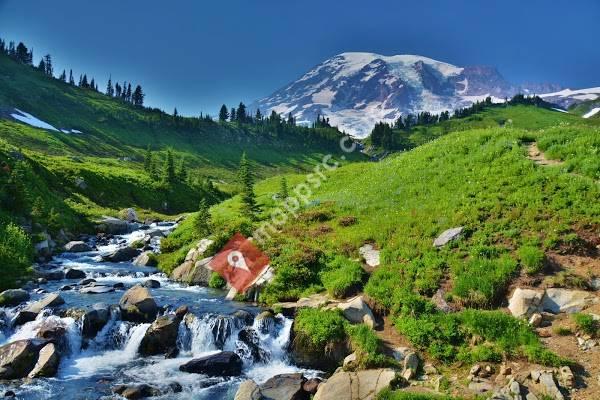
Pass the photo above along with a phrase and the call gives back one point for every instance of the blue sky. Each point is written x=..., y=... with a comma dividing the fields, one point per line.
x=196, y=55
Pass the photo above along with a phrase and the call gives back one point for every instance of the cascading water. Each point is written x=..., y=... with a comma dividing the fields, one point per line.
x=91, y=367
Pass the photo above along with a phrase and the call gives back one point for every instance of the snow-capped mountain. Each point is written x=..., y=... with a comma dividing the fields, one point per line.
x=356, y=90
x=568, y=97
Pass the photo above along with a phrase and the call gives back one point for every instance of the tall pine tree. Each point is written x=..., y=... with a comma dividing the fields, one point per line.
x=169, y=168
x=223, y=113
x=246, y=178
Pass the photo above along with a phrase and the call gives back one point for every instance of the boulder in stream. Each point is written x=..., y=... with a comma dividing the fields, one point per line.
x=73, y=273
x=77, y=246
x=224, y=363
x=146, y=259
x=138, y=305
x=284, y=387
x=31, y=311
x=13, y=297
x=360, y=385
x=47, y=362
x=94, y=320
x=161, y=337
x=18, y=358
x=113, y=226
x=122, y=254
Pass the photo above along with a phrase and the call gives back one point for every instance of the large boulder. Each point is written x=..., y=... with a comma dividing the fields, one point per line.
x=316, y=300
x=47, y=362
x=248, y=390
x=138, y=305
x=447, y=236
x=193, y=272
x=284, y=387
x=224, y=363
x=161, y=337
x=54, y=331
x=357, y=311
x=130, y=215
x=18, y=358
x=94, y=320
x=360, y=385
x=73, y=273
x=524, y=302
x=113, y=226
x=146, y=259
x=30, y=312
x=566, y=300
x=77, y=246
x=122, y=254
x=326, y=358
x=135, y=392
x=13, y=297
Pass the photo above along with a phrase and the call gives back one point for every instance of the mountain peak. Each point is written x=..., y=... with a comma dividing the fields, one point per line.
x=355, y=90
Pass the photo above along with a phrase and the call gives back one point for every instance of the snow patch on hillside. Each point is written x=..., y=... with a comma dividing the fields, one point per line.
x=29, y=119
x=592, y=112
x=592, y=93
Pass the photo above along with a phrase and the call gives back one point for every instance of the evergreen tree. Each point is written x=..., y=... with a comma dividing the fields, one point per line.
x=138, y=96
x=283, y=189
x=63, y=76
x=42, y=66
x=84, y=82
x=246, y=179
x=175, y=113
x=223, y=113
x=182, y=173
x=241, y=113
x=203, y=221
x=258, y=117
x=128, y=95
x=92, y=84
x=22, y=54
x=49, y=68
x=148, y=160
x=110, y=91
x=169, y=168
x=71, y=80
x=232, y=115
x=118, y=90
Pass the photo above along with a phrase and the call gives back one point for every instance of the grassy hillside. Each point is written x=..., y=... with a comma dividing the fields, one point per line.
x=585, y=107
x=498, y=115
x=513, y=211
x=58, y=182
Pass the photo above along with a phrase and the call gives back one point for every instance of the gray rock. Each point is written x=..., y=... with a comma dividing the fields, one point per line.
x=94, y=320
x=360, y=385
x=448, y=236
x=370, y=255
x=113, y=226
x=225, y=363
x=138, y=305
x=47, y=362
x=13, y=297
x=152, y=284
x=567, y=300
x=73, y=273
x=146, y=259
x=161, y=336
x=411, y=364
x=100, y=289
x=248, y=390
x=18, y=358
x=357, y=311
x=122, y=254
x=525, y=302
x=284, y=387
x=549, y=386
x=77, y=247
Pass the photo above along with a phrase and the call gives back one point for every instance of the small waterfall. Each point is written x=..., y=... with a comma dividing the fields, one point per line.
x=91, y=362
x=72, y=329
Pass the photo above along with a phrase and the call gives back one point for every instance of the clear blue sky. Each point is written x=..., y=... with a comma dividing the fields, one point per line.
x=197, y=55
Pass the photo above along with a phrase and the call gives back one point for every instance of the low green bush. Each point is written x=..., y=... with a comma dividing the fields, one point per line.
x=342, y=277
x=15, y=254
x=388, y=394
x=481, y=282
x=366, y=345
x=586, y=323
x=318, y=328
x=532, y=259
x=216, y=281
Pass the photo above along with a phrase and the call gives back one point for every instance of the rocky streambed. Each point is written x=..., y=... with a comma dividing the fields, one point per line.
x=101, y=323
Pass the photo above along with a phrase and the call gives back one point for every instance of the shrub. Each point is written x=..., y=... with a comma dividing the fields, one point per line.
x=388, y=394
x=366, y=344
x=532, y=259
x=216, y=281
x=481, y=282
x=15, y=254
x=342, y=277
x=382, y=285
x=586, y=323
x=561, y=331
x=347, y=221
x=320, y=327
